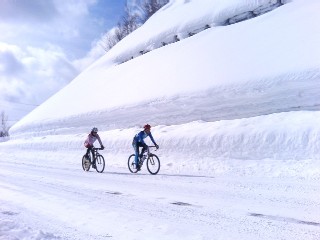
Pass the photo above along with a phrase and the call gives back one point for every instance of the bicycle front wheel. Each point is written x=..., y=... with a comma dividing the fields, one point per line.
x=100, y=164
x=153, y=164
x=85, y=163
x=131, y=164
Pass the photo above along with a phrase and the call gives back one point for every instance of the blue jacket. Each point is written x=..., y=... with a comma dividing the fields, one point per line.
x=141, y=136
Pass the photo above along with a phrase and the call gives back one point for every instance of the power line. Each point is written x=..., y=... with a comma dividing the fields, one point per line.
x=14, y=108
x=30, y=104
x=20, y=110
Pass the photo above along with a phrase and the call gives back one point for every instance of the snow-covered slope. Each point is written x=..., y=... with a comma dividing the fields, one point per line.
x=266, y=65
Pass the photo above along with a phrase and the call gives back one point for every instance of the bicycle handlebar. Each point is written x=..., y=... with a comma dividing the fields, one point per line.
x=98, y=148
x=153, y=147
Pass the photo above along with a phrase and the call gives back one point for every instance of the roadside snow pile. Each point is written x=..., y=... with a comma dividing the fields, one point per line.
x=244, y=91
x=285, y=136
x=16, y=231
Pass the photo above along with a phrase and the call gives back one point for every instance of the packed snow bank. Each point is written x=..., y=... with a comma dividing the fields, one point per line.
x=249, y=91
x=222, y=103
x=266, y=49
x=203, y=147
x=13, y=230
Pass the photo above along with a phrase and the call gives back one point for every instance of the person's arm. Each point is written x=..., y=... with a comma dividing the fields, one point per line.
x=151, y=137
x=86, y=142
x=101, y=145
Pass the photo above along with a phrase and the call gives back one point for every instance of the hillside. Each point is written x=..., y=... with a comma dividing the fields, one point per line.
x=222, y=76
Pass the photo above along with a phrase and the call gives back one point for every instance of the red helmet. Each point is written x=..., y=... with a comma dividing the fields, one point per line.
x=147, y=126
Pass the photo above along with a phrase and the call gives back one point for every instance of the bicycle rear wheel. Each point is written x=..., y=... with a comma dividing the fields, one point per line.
x=100, y=164
x=86, y=163
x=153, y=164
x=131, y=164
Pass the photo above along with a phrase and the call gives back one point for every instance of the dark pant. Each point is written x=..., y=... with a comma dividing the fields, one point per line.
x=136, y=146
x=90, y=149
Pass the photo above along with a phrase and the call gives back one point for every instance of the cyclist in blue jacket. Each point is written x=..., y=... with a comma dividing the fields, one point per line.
x=138, y=141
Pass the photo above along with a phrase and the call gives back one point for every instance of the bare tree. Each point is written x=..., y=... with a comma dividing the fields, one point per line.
x=110, y=39
x=150, y=7
x=130, y=21
x=4, y=132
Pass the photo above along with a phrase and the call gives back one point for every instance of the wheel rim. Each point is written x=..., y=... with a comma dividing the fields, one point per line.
x=85, y=164
x=153, y=164
x=131, y=164
x=100, y=164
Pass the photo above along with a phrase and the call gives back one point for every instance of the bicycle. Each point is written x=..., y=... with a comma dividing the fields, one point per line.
x=153, y=162
x=100, y=163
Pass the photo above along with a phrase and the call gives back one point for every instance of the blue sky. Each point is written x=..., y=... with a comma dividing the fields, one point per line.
x=45, y=44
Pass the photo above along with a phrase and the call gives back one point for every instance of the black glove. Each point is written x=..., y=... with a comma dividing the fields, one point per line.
x=102, y=147
x=157, y=146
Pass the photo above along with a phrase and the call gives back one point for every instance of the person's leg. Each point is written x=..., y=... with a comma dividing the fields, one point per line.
x=93, y=156
x=144, y=148
x=136, y=152
x=88, y=152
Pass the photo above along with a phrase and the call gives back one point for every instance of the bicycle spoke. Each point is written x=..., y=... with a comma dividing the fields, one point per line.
x=85, y=163
x=131, y=164
x=100, y=164
x=153, y=164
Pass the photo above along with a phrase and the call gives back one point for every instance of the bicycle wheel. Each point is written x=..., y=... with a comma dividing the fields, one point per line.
x=131, y=164
x=100, y=164
x=86, y=163
x=153, y=164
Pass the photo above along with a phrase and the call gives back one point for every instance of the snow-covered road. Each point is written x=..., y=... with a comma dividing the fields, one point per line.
x=235, y=110
x=44, y=200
